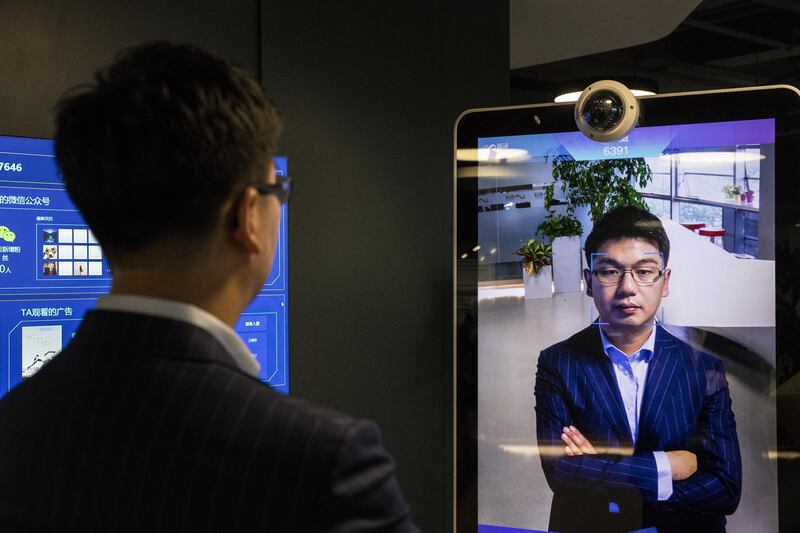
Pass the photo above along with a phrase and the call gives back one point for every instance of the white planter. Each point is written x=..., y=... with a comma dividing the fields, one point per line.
x=540, y=285
x=567, y=264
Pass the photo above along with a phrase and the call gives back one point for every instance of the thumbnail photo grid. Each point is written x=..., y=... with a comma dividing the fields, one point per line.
x=69, y=252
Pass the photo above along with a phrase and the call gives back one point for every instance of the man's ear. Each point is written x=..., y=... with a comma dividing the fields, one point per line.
x=245, y=227
x=587, y=278
x=665, y=288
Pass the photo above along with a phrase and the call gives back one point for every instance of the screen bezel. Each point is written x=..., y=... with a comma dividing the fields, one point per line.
x=778, y=102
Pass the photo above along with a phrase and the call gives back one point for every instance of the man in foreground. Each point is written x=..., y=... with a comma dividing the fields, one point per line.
x=634, y=426
x=152, y=418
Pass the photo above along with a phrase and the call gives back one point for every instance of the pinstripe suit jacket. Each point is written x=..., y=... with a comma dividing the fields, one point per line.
x=686, y=406
x=146, y=424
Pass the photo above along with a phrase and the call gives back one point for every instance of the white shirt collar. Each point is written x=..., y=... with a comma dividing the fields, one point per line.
x=191, y=314
x=649, y=344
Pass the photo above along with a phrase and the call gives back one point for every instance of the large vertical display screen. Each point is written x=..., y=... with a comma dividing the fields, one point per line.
x=533, y=351
x=716, y=177
x=52, y=270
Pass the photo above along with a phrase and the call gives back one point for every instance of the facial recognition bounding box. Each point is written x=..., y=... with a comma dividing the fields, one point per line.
x=53, y=270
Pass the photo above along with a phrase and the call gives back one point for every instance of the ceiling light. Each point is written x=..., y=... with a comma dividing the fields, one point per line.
x=570, y=90
x=573, y=97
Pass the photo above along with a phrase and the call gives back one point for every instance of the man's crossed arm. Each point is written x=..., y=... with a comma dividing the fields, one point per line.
x=682, y=463
x=705, y=478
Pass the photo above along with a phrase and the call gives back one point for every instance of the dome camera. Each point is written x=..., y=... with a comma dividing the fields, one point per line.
x=606, y=110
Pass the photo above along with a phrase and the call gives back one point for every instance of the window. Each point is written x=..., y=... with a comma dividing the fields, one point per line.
x=710, y=215
x=748, y=166
x=662, y=176
x=704, y=174
x=658, y=207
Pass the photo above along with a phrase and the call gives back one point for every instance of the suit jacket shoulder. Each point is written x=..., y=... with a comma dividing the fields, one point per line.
x=147, y=424
x=584, y=343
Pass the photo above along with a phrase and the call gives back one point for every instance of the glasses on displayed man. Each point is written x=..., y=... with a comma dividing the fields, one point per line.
x=641, y=275
x=280, y=189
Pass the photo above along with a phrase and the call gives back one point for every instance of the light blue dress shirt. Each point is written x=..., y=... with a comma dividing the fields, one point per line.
x=631, y=374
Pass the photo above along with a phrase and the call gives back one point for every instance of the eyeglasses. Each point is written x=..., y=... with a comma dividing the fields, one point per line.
x=641, y=275
x=280, y=189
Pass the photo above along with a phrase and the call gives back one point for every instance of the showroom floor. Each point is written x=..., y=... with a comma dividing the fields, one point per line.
x=512, y=331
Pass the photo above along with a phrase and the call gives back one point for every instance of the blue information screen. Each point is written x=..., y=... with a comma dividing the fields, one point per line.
x=52, y=270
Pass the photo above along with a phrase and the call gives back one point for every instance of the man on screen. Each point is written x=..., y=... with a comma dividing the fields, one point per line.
x=153, y=418
x=634, y=426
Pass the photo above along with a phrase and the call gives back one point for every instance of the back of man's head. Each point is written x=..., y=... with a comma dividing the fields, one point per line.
x=627, y=222
x=164, y=136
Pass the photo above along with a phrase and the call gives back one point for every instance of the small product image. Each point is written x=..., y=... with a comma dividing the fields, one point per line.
x=50, y=252
x=95, y=253
x=95, y=268
x=39, y=345
x=49, y=268
x=79, y=252
x=92, y=238
x=65, y=252
x=65, y=268
x=80, y=268
x=81, y=236
x=49, y=236
x=64, y=235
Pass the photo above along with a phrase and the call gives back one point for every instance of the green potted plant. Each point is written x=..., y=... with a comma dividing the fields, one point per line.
x=732, y=192
x=602, y=185
x=556, y=226
x=564, y=233
x=537, y=258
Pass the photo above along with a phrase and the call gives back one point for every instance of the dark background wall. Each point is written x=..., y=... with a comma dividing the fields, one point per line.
x=370, y=92
x=48, y=46
x=370, y=95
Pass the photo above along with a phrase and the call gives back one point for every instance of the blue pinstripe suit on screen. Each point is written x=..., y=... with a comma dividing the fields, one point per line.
x=686, y=406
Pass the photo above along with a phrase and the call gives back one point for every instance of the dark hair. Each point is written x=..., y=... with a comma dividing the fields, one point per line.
x=627, y=221
x=159, y=141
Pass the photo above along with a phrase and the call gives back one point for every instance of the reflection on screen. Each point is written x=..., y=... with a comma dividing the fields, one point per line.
x=712, y=187
x=53, y=270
